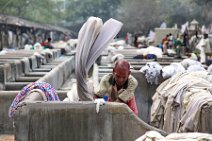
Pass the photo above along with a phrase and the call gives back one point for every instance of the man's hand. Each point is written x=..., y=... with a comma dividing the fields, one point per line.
x=114, y=90
x=118, y=100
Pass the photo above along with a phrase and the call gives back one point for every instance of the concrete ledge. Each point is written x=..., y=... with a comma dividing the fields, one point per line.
x=48, y=57
x=15, y=75
x=9, y=72
x=26, y=79
x=14, y=71
x=34, y=62
x=28, y=71
x=10, y=86
x=77, y=122
x=60, y=73
x=6, y=98
x=56, y=53
x=35, y=74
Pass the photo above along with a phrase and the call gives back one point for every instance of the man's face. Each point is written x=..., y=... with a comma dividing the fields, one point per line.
x=121, y=75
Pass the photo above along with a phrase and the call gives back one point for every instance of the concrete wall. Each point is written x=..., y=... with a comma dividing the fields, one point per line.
x=143, y=95
x=59, y=121
x=60, y=73
x=206, y=119
x=6, y=99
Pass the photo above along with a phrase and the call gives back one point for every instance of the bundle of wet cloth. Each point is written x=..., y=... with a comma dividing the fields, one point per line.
x=43, y=88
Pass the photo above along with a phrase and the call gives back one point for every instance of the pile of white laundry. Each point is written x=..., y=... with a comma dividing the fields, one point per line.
x=153, y=70
x=151, y=50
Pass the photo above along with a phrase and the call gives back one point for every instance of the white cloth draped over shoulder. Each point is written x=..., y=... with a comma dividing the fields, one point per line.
x=93, y=37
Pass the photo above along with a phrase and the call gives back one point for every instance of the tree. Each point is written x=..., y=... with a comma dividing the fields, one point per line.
x=136, y=15
x=140, y=15
x=176, y=11
x=77, y=12
x=205, y=8
x=44, y=11
x=143, y=15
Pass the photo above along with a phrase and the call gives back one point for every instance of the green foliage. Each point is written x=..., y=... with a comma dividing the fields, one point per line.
x=144, y=15
x=44, y=11
x=203, y=2
x=100, y=8
x=205, y=12
x=78, y=12
x=137, y=15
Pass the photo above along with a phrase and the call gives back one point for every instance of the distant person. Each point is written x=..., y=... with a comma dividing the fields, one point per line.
x=129, y=35
x=166, y=38
x=135, y=41
x=165, y=47
x=126, y=38
x=178, y=47
x=164, y=44
x=119, y=86
x=207, y=43
x=171, y=40
x=47, y=44
x=185, y=42
x=204, y=48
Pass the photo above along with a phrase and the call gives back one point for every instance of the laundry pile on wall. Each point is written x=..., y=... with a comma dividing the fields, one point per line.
x=183, y=103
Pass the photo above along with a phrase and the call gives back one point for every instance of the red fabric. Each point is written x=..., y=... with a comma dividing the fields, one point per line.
x=44, y=43
x=132, y=105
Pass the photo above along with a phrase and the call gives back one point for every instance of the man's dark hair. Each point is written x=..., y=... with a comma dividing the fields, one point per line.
x=49, y=39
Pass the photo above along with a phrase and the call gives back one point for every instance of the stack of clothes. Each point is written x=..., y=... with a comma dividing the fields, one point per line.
x=183, y=103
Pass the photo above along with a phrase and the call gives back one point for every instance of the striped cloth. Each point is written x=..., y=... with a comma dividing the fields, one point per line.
x=48, y=90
